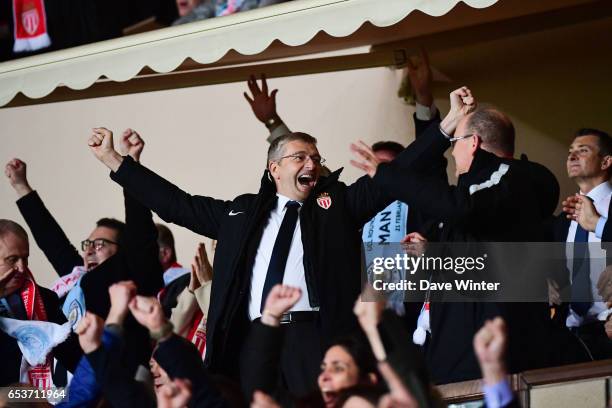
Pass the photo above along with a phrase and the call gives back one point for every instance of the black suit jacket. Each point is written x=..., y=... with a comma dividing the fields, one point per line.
x=68, y=353
x=486, y=206
x=331, y=239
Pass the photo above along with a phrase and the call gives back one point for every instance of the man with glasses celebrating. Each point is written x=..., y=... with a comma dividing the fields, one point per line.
x=301, y=229
x=112, y=252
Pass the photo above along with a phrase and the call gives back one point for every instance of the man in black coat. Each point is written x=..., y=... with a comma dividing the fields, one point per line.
x=326, y=263
x=487, y=204
x=14, y=295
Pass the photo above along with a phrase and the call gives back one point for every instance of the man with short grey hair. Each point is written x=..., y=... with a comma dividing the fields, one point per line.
x=301, y=229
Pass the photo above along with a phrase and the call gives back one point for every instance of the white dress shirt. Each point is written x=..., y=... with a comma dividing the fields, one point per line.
x=601, y=200
x=294, y=269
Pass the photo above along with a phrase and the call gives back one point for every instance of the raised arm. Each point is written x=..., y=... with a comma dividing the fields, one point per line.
x=202, y=215
x=421, y=79
x=264, y=107
x=177, y=356
x=47, y=233
x=140, y=240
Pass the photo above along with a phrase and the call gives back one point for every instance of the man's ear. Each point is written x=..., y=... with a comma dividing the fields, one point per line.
x=475, y=143
x=273, y=169
x=606, y=162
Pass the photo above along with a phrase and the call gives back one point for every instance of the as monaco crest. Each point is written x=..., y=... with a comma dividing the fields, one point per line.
x=324, y=201
x=30, y=21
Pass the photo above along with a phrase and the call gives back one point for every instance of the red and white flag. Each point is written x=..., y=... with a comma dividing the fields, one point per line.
x=30, y=23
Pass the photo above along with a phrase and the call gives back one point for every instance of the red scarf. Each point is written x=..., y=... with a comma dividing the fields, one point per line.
x=197, y=333
x=30, y=23
x=38, y=376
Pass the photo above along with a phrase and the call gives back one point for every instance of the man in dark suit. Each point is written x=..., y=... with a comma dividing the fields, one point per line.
x=300, y=229
x=22, y=299
x=589, y=164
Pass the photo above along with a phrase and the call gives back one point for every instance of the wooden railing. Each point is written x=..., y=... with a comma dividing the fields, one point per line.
x=523, y=384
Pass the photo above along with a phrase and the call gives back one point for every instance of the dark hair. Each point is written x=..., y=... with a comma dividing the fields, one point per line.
x=370, y=393
x=604, y=142
x=113, y=224
x=359, y=349
x=275, y=150
x=7, y=226
x=494, y=128
x=388, y=146
x=165, y=239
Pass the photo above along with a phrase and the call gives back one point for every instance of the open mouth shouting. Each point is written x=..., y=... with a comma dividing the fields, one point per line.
x=306, y=181
x=329, y=397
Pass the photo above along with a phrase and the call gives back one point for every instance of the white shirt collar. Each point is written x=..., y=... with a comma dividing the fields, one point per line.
x=600, y=192
x=282, y=202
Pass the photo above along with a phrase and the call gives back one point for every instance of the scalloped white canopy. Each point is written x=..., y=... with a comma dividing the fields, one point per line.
x=295, y=25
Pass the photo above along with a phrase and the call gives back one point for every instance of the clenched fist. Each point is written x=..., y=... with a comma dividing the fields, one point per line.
x=131, y=144
x=15, y=171
x=101, y=145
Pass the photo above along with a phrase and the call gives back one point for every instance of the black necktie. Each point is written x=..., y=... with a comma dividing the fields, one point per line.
x=581, y=270
x=278, y=260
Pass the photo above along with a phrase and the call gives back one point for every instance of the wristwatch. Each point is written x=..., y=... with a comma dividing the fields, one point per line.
x=272, y=122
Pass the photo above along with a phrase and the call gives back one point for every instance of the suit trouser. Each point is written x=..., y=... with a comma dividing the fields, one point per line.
x=300, y=358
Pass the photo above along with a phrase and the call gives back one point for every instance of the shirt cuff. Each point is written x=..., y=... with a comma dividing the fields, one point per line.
x=426, y=112
x=601, y=224
x=498, y=395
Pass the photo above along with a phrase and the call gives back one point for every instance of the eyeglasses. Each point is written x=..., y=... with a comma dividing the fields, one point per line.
x=98, y=244
x=454, y=139
x=301, y=158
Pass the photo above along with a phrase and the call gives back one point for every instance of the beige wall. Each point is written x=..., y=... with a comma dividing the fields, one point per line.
x=206, y=140
x=203, y=139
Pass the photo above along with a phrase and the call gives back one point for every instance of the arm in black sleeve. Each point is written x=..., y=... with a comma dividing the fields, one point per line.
x=141, y=248
x=261, y=365
x=48, y=234
x=435, y=197
x=201, y=215
x=426, y=153
x=182, y=360
x=420, y=126
x=364, y=199
x=118, y=387
x=436, y=164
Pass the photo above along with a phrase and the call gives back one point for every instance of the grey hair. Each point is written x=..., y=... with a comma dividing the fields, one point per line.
x=8, y=226
x=277, y=147
x=495, y=129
